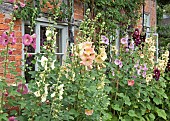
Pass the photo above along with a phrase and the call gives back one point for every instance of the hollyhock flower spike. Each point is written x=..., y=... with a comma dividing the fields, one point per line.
x=23, y=89
x=4, y=39
x=105, y=40
x=27, y=39
x=131, y=82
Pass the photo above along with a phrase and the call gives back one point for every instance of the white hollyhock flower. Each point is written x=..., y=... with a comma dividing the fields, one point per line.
x=44, y=62
x=37, y=94
x=44, y=97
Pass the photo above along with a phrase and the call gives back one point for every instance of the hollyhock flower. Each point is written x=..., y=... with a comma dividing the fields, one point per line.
x=4, y=39
x=88, y=112
x=44, y=62
x=138, y=71
x=144, y=68
x=137, y=64
x=15, y=7
x=124, y=40
x=148, y=78
x=131, y=46
x=87, y=62
x=131, y=82
x=144, y=74
x=22, y=4
x=117, y=61
x=23, y=89
x=12, y=118
x=10, y=52
x=136, y=33
x=89, y=51
x=92, y=56
x=137, y=41
x=127, y=49
x=13, y=41
x=103, y=56
x=156, y=74
x=98, y=59
x=27, y=39
x=120, y=64
x=105, y=40
x=86, y=45
x=84, y=56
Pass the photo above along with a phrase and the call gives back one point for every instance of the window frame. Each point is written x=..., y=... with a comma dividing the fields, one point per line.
x=45, y=23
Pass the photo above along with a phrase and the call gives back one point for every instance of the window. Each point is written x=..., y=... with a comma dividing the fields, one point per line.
x=40, y=30
x=147, y=23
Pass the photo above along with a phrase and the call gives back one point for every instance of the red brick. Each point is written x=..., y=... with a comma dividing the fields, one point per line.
x=7, y=20
x=17, y=28
x=4, y=27
x=2, y=15
x=18, y=34
x=1, y=20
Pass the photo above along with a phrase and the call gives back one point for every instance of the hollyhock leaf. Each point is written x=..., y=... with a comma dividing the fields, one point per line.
x=157, y=100
x=127, y=100
x=116, y=107
x=161, y=113
x=132, y=113
x=152, y=116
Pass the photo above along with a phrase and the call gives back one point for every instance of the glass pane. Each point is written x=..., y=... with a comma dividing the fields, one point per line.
x=29, y=67
x=30, y=49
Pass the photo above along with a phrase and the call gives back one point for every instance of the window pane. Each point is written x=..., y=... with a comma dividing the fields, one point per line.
x=29, y=67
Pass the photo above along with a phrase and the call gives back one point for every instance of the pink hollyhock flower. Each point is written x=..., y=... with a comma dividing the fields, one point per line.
x=83, y=56
x=23, y=89
x=144, y=68
x=131, y=46
x=120, y=64
x=92, y=56
x=127, y=49
x=144, y=74
x=15, y=7
x=27, y=39
x=34, y=40
x=89, y=51
x=124, y=40
x=138, y=71
x=10, y=52
x=13, y=38
x=4, y=39
x=87, y=62
x=12, y=118
x=117, y=61
x=105, y=40
x=131, y=82
x=22, y=4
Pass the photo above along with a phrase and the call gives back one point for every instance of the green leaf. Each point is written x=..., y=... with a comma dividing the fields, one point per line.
x=161, y=113
x=3, y=116
x=157, y=100
x=132, y=113
x=116, y=107
x=151, y=116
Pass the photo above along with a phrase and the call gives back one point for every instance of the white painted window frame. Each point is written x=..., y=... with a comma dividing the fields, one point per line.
x=44, y=22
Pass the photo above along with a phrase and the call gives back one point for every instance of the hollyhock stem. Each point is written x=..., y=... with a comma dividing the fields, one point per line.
x=5, y=72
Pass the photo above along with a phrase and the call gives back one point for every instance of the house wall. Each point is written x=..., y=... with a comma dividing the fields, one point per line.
x=5, y=18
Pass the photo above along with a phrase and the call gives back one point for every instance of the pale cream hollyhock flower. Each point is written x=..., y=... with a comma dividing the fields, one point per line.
x=101, y=85
x=44, y=97
x=102, y=50
x=87, y=45
x=148, y=78
x=141, y=55
x=167, y=53
x=53, y=94
x=44, y=62
x=115, y=50
x=103, y=56
x=99, y=59
x=152, y=48
x=37, y=94
x=52, y=64
x=148, y=40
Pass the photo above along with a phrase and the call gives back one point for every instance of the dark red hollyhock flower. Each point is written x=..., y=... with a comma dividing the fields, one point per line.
x=136, y=34
x=137, y=41
x=156, y=74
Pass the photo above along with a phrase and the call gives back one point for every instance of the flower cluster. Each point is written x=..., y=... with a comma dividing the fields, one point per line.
x=141, y=69
x=87, y=53
x=127, y=45
x=5, y=39
x=29, y=40
x=138, y=38
x=17, y=4
x=102, y=56
x=162, y=62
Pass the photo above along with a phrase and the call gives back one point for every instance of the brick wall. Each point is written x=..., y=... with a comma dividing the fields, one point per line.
x=5, y=19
